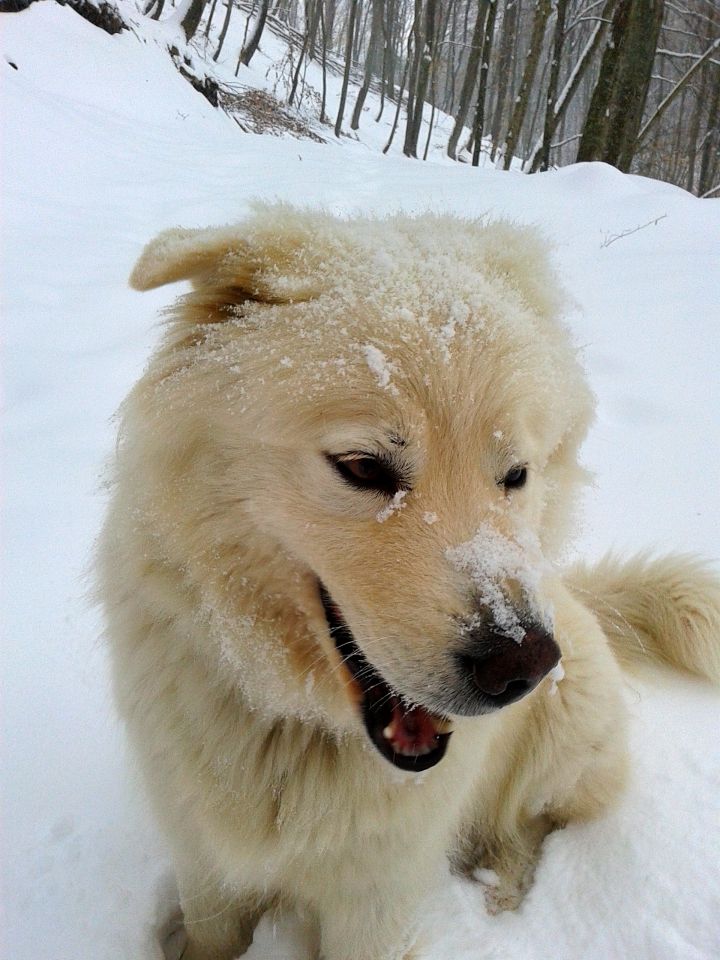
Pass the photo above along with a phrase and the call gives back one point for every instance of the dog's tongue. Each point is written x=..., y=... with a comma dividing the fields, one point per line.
x=412, y=731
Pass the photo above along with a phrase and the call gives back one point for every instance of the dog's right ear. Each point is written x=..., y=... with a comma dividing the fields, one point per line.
x=179, y=254
x=233, y=262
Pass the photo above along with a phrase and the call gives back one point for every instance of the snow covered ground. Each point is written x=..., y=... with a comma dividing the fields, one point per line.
x=104, y=144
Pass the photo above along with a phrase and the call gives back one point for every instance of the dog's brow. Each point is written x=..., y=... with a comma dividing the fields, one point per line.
x=397, y=440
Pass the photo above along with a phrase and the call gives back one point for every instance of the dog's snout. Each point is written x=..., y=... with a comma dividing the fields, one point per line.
x=503, y=670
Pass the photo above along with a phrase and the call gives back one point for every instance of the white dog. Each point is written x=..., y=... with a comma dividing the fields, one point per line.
x=329, y=573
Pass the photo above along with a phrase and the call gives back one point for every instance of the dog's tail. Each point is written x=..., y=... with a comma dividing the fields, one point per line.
x=665, y=609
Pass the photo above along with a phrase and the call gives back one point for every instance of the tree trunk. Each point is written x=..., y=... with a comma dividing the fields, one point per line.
x=371, y=59
x=223, y=32
x=710, y=154
x=557, y=115
x=504, y=70
x=210, y=18
x=329, y=15
x=191, y=20
x=312, y=27
x=298, y=68
x=423, y=77
x=479, y=124
x=470, y=78
x=254, y=41
x=551, y=96
x=158, y=9
x=615, y=113
x=360, y=26
x=323, y=35
x=399, y=102
x=418, y=44
x=542, y=12
x=348, y=64
x=393, y=32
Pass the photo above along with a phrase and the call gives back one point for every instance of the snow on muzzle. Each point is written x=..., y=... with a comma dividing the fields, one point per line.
x=507, y=644
x=408, y=735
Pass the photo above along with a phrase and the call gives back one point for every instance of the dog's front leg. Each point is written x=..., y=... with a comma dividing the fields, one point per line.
x=379, y=925
x=214, y=922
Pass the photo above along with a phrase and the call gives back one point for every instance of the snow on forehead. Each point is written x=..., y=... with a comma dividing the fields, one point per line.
x=391, y=299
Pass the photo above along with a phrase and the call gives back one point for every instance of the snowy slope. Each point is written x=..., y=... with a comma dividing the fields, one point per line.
x=104, y=144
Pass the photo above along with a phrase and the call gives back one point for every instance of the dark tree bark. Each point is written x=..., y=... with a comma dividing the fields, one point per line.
x=504, y=70
x=417, y=48
x=371, y=60
x=425, y=64
x=352, y=15
x=710, y=154
x=315, y=12
x=254, y=41
x=191, y=21
x=156, y=8
x=394, y=47
x=329, y=13
x=385, y=18
x=470, y=78
x=298, y=68
x=210, y=18
x=399, y=101
x=551, y=96
x=616, y=107
x=223, y=32
x=542, y=12
x=323, y=35
x=479, y=122
x=559, y=110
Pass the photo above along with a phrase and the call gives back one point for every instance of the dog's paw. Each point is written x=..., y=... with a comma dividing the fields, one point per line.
x=173, y=938
x=499, y=893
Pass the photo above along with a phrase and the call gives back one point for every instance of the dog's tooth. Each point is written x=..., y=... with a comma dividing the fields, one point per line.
x=388, y=732
x=443, y=726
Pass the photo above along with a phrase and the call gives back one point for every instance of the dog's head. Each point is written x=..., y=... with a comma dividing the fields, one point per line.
x=376, y=423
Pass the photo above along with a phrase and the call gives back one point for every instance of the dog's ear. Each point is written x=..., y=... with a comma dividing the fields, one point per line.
x=179, y=254
x=232, y=262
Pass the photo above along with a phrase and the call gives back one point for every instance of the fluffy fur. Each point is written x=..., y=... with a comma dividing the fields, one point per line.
x=306, y=335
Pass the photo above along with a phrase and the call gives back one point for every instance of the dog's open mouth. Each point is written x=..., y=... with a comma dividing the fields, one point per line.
x=407, y=735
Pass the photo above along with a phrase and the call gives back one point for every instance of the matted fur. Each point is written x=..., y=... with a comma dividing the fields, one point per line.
x=306, y=334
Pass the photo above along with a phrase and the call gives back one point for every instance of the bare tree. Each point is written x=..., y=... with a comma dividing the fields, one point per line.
x=479, y=123
x=615, y=112
x=503, y=72
x=371, y=60
x=551, y=95
x=470, y=78
x=191, y=18
x=225, y=26
x=349, y=36
x=585, y=58
x=540, y=18
x=253, y=43
x=210, y=18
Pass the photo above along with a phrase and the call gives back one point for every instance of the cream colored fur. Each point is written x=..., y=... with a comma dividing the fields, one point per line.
x=305, y=334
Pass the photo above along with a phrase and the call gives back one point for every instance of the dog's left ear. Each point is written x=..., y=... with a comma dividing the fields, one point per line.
x=234, y=263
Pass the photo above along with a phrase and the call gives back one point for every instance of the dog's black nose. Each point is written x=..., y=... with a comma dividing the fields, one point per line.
x=504, y=670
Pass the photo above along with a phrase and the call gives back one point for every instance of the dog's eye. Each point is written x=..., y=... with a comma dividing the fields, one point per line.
x=367, y=473
x=515, y=478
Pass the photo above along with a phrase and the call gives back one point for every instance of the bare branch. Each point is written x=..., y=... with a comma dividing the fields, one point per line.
x=662, y=107
x=612, y=237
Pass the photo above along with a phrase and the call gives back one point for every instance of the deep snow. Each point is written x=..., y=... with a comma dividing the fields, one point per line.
x=104, y=145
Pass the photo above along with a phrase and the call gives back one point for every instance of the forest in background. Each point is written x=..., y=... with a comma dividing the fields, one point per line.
x=633, y=83
x=534, y=83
